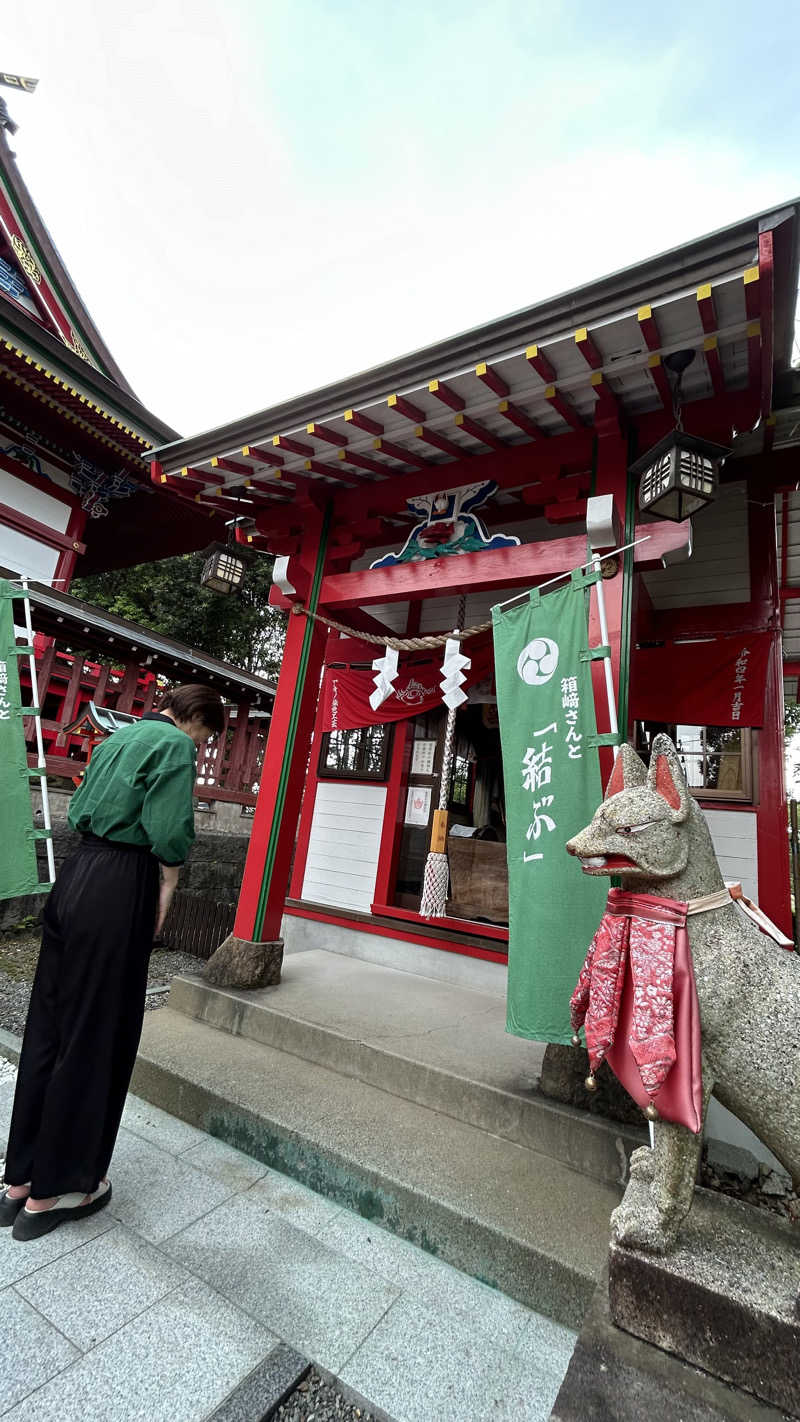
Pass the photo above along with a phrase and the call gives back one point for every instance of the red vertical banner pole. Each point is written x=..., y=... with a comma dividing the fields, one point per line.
x=772, y=812
x=266, y=872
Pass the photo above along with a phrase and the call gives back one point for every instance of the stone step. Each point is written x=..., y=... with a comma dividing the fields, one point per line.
x=432, y=1043
x=509, y=1215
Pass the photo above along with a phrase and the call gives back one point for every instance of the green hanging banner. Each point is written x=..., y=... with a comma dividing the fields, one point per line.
x=551, y=772
x=19, y=873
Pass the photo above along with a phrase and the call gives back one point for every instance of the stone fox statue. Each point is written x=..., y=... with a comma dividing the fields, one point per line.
x=650, y=832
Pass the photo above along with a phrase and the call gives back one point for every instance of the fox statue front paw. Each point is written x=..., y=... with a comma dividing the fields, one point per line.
x=642, y=1220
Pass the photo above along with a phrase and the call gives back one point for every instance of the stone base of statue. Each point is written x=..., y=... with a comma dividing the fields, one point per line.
x=238, y=963
x=724, y=1299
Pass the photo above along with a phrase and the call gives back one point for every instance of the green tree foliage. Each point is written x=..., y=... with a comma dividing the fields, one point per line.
x=166, y=597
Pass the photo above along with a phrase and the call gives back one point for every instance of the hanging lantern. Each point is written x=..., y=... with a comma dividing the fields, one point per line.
x=679, y=475
x=223, y=569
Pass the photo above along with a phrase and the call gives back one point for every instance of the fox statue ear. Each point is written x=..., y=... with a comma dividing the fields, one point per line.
x=628, y=771
x=667, y=779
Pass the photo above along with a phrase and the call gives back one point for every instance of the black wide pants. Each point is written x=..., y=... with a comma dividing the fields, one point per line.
x=85, y=1018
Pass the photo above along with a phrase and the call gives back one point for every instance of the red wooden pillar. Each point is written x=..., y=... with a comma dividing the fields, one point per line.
x=611, y=477
x=771, y=820
x=266, y=872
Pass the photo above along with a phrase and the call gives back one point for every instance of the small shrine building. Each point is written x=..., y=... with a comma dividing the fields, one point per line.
x=409, y=500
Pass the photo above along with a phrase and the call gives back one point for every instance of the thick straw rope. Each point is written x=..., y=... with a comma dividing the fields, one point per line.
x=402, y=644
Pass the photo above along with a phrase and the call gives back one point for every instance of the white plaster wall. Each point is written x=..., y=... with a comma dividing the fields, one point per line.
x=342, y=861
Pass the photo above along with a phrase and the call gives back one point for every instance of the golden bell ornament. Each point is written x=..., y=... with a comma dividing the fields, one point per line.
x=591, y=1082
x=651, y=1112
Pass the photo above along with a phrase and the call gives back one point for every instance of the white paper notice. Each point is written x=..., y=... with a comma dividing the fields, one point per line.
x=418, y=804
x=423, y=757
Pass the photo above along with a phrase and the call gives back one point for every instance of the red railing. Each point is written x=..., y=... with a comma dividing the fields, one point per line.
x=228, y=769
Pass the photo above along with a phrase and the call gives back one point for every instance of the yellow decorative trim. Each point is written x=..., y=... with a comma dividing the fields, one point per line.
x=653, y=361
x=704, y=291
x=433, y=386
x=215, y=462
x=392, y=400
x=25, y=259
x=753, y=329
x=645, y=313
x=246, y=451
x=276, y=440
x=752, y=274
x=481, y=369
x=459, y=419
x=596, y=377
x=710, y=343
x=503, y=406
x=550, y=392
x=349, y=416
x=582, y=334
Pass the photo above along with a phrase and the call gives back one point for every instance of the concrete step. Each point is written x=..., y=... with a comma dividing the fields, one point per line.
x=432, y=1043
x=507, y=1214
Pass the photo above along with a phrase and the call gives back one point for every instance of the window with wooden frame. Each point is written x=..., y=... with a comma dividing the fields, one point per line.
x=361, y=754
x=717, y=760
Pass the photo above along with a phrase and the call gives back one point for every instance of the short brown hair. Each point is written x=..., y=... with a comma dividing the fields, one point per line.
x=193, y=700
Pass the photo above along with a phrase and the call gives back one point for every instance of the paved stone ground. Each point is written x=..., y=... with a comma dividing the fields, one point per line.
x=162, y=1304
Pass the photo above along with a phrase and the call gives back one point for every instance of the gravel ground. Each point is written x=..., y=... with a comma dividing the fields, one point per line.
x=19, y=952
x=318, y=1401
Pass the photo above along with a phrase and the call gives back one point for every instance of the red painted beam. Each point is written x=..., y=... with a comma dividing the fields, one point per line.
x=323, y=432
x=363, y=422
x=588, y=348
x=479, y=432
x=711, y=353
x=566, y=410
x=519, y=418
x=541, y=364
x=555, y=490
x=262, y=456
x=231, y=467
x=490, y=377
x=705, y=308
x=529, y=564
x=294, y=446
x=766, y=281
x=659, y=376
x=754, y=358
x=440, y=441
x=327, y=471
x=362, y=461
x=752, y=293
x=447, y=396
x=205, y=475
x=608, y=404
x=648, y=326
x=270, y=486
x=568, y=512
x=515, y=466
x=395, y=451
x=406, y=408
x=41, y=532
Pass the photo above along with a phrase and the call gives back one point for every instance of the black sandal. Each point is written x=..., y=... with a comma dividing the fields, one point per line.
x=32, y=1224
x=10, y=1207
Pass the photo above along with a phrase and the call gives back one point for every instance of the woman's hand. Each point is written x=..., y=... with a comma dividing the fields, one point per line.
x=169, y=880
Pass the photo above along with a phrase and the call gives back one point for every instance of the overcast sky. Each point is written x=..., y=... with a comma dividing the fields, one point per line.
x=258, y=197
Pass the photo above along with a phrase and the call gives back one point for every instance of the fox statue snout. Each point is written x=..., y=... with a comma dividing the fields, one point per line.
x=652, y=833
x=640, y=830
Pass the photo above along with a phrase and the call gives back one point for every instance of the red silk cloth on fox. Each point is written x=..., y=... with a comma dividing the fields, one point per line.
x=637, y=1002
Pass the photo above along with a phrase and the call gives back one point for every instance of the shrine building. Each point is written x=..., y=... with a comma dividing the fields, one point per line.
x=410, y=500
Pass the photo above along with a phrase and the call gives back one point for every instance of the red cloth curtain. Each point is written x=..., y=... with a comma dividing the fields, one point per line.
x=716, y=682
x=346, y=689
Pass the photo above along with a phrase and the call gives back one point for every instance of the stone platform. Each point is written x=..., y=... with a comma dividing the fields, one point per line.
x=723, y=1300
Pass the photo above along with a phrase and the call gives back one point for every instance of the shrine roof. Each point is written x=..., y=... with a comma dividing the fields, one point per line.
x=565, y=363
x=59, y=615
x=48, y=340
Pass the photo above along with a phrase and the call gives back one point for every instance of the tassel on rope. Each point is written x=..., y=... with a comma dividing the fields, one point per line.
x=436, y=879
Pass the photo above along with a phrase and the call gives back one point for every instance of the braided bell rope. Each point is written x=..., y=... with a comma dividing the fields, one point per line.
x=436, y=879
x=400, y=644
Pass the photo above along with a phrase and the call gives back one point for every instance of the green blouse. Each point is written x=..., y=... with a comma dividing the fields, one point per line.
x=139, y=787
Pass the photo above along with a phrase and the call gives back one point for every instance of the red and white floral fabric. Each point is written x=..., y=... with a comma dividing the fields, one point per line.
x=637, y=1002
